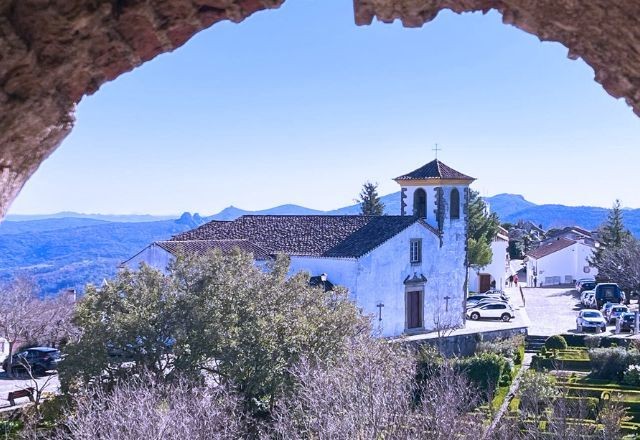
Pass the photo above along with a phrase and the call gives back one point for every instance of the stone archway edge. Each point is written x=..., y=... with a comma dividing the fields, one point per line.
x=53, y=52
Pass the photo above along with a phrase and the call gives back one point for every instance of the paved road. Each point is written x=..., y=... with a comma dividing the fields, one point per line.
x=552, y=311
x=49, y=383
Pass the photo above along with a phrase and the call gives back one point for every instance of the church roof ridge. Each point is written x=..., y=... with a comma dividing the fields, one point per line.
x=335, y=236
x=434, y=170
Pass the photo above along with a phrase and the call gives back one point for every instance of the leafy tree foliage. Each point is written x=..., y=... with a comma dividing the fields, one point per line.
x=217, y=315
x=483, y=228
x=369, y=200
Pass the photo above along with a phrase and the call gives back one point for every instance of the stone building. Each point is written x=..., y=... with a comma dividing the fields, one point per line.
x=407, y=272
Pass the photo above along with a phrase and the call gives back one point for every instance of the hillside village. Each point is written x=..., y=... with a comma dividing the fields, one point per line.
x=434, y=312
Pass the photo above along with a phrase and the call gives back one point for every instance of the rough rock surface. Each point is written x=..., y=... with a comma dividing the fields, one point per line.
x=53, y=52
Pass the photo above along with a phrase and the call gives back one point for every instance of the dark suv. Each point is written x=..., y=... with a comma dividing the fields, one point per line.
x=40, y=359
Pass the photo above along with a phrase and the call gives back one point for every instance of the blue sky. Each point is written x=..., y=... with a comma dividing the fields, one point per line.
x=299, y=105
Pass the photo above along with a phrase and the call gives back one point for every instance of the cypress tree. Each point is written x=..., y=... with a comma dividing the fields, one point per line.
x=369, y=201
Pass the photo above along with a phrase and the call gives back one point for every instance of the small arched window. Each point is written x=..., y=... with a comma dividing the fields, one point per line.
x=454, y=212
x=420, y=203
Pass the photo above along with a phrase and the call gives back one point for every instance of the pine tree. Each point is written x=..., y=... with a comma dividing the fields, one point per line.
x=370, y=203
x=483, y=228
x=611, y=234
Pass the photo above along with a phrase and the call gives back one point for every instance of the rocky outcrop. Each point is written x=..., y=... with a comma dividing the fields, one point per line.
x=53, y=52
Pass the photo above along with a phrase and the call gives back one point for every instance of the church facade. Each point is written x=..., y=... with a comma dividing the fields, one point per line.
x=407, y=272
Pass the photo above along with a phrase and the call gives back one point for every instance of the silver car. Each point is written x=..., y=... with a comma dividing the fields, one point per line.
x=590, y=319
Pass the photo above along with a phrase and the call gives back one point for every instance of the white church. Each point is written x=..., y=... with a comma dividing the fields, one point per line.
x=406, y=271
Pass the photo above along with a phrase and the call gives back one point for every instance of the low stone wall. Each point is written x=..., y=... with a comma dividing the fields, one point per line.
x=465, y=344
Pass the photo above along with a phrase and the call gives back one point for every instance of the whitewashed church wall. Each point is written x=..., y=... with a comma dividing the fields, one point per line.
x=382, y=272
x=340, y=271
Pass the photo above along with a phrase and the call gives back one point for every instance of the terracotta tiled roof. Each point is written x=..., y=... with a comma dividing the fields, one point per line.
x=434, y=170
x=548, y=249
x=311, y=235
x=176, y=247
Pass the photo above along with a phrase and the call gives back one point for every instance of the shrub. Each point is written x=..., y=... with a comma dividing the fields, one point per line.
x=592, y=341
x=484, y=371
x=429, y=363
x=536, y=389
x=632, y=376
x=556, y=342
x=510, y=347
x=507, y=372
x=611, y=363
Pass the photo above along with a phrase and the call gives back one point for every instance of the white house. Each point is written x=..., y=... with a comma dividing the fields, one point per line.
x=559, y=262
x=407, y=272
x=497, y=272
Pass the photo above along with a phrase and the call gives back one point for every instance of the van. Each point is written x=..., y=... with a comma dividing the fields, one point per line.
x=608, y=292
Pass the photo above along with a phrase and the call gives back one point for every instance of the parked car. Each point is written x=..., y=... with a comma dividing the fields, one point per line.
x=605, y=307
x=494, y=293
x=474, y=299
x=590, y=319
x=614, y=313
x=501, y=310
x=608, y=292
x=40, y=359
x=627, y=321
x=486, y=301
x=586, y=285
x=584, y=295
x=590, y=300
x=580, y=280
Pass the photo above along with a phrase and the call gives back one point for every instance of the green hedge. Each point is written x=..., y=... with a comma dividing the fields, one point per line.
x=484, y=371
x=556, y=342
x=543, y=363
x=610, y=363
x=575, y=340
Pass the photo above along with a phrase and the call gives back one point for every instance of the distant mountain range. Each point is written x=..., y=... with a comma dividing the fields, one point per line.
x=68, y=250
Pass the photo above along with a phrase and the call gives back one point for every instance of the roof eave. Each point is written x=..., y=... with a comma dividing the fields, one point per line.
x=433, y=181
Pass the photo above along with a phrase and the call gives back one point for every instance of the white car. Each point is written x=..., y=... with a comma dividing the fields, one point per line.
x=584, y=295
x=497, y=309
x=592, y=319
x=590, y=301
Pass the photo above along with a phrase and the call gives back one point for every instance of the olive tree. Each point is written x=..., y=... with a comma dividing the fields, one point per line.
x=215, y=316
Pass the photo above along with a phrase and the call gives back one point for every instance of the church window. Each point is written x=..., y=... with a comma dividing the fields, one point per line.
x=454, y=212
x=415, y=250
x=414, y=309
x=420, y=203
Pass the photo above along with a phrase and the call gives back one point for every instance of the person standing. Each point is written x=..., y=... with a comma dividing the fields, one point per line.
x=510, y=280
x=515, y=280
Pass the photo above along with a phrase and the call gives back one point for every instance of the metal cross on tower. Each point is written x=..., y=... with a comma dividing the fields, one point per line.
x=436, y=149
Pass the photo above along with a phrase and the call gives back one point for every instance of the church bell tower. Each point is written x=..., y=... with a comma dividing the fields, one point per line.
x=436, y=193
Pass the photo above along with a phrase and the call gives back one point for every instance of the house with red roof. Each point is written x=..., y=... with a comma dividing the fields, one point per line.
x=560, y=261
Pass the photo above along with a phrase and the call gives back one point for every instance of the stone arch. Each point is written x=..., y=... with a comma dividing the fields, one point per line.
x=54, y=53
x=420, y=203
